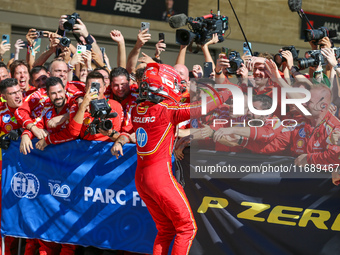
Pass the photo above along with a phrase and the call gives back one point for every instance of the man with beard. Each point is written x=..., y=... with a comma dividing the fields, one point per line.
x=59, y=104
x=35, y=103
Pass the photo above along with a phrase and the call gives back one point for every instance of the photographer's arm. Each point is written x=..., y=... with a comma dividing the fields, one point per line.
x=206, y=52
x=181, y=55
x=142, y=38
x=54, y=41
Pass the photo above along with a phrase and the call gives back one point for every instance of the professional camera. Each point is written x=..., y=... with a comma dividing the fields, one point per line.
x=201, y=28
x=71, y=21
x=318, y=34
x=101, y=112
x=65, y=42
x=235, y=62
x=278, y=59
x=314, y=57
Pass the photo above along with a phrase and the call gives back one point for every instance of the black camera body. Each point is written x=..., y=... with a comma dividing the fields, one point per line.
x=101, y=111
x=65, y=42
x=71, y=20
x=278, y=59
x=318, y=34
x=314, y=57
x=202, y=29
x=235, y=62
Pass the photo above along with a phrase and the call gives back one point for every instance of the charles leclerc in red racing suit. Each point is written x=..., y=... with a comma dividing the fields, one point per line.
x=154, y=121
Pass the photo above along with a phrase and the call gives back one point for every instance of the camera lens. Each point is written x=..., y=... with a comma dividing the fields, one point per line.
x=303, y=63
x=278, y=59
x=106, y=125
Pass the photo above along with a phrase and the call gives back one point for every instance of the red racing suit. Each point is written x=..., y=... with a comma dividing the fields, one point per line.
x=65, y=132
x=35, y=103
x=303, y=138
x=155, y=127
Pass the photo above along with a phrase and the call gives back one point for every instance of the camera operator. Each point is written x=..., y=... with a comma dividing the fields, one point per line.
x=222, y=67
x=82, y=116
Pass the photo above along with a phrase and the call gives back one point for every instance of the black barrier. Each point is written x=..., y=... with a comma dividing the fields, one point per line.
x=275, y=215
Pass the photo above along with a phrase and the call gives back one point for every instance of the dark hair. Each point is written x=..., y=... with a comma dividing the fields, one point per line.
x=94, y=75
x=101, y=68
x=139, y=74
x=2, y=64
x=53, y=81
x=37, y=69
x=157, y=60
x=17, y=63
x=7, y=83
x=265, y=100
x=118, y=71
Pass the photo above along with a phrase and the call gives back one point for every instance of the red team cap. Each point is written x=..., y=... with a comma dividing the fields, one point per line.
x=160, y=80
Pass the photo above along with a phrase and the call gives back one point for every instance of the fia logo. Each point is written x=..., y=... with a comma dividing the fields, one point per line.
x=25, y=185
x=142, y=137
x=63, y=191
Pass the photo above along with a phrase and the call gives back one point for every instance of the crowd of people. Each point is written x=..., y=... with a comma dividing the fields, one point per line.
x=54, y=102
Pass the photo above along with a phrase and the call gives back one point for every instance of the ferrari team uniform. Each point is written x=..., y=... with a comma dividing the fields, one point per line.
x=61, y=133
x=155, y=126
x=303, y=138
x=34, y=104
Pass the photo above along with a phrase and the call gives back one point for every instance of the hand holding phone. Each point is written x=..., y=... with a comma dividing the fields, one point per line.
x=161, y=36
x=145, y=25
x=81, y=49
x=5, y=38
x=207, y=69
x=246, y=49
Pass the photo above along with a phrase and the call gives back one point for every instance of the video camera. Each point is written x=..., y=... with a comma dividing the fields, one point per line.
x=71, y=20
x=101, y=112
x=278, y=59
x=314, y=58
x=201, y=28
x=318, y=34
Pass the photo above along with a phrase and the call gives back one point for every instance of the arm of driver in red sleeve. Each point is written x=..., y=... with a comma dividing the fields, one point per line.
x=182, y=112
